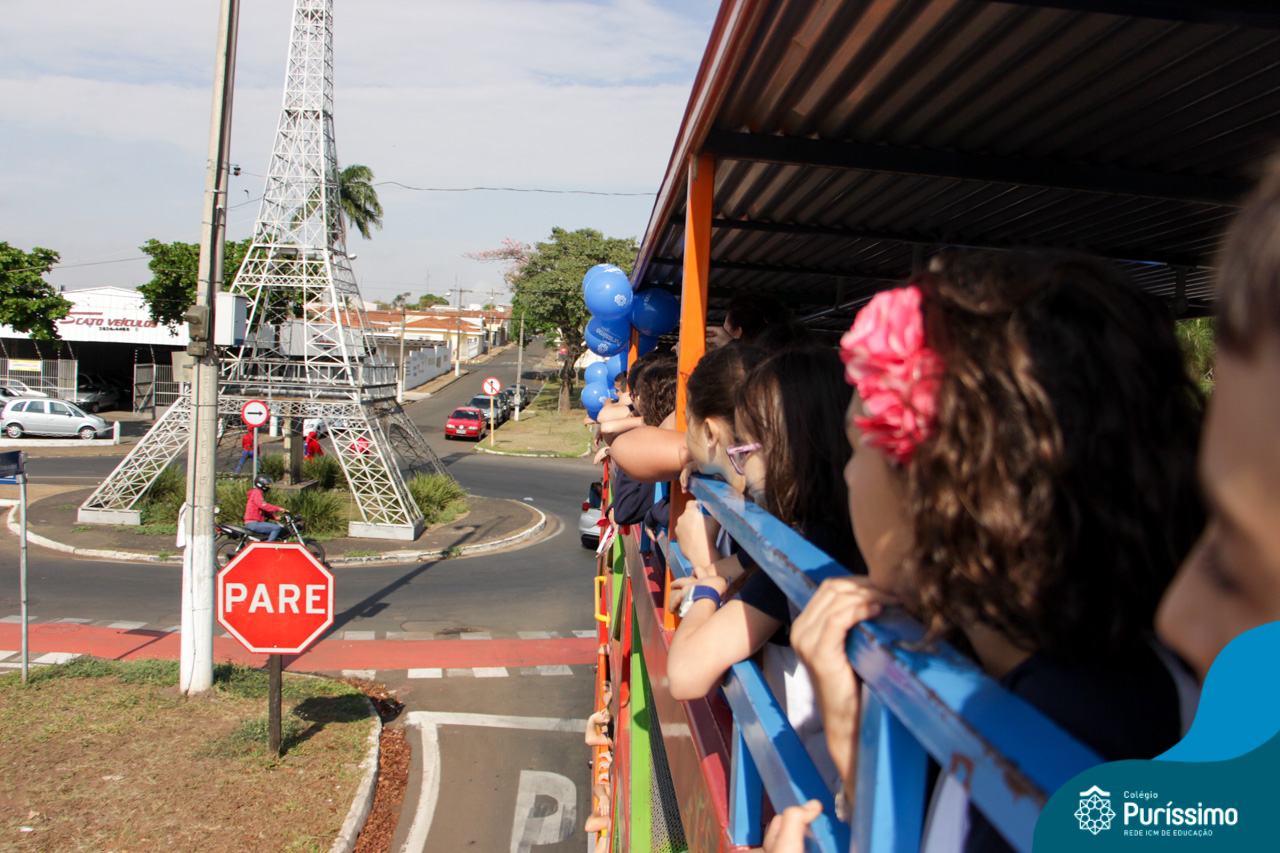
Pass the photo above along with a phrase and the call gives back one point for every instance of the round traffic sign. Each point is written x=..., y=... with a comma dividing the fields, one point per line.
x=255, y=413
x=491, y=386
x=275, y=598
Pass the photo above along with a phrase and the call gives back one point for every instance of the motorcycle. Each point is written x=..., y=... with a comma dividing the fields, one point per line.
x=232, y=538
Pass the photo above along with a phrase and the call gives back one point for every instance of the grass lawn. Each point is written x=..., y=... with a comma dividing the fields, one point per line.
x=546, y=431
x=109, y=755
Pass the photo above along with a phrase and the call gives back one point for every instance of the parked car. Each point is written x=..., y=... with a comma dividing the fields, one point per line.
x=93, y=397
x=466, y=422
x=500, y=409
x=519, y=393
x=588, y=522
x=50, y=417
x=21, y=389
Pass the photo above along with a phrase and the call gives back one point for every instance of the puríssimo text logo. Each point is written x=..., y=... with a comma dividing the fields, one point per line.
x=1095, y=814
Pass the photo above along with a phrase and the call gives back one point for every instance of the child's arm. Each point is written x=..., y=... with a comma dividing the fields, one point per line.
x=709, y=641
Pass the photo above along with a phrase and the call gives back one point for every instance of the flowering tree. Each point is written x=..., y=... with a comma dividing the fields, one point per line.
x=546, y=280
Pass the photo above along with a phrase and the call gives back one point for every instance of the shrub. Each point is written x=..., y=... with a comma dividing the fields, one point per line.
x=433, y=493
x=272, y=466
x=325, y=470
x=232, y=497
x=325, y=512
x=165, y=497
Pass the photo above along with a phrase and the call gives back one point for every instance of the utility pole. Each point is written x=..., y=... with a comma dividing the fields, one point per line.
x=457, y=347
x=519, y=365
x=196, y=666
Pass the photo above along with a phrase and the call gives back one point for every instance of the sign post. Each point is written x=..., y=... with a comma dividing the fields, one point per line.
x=492, y=387
x=14, y=465
x=255, y=414
x=276, y=599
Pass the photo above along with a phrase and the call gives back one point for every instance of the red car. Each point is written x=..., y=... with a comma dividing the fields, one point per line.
x=465, y=422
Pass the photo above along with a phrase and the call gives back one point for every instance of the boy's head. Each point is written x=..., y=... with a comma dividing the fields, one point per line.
x=1231, y=581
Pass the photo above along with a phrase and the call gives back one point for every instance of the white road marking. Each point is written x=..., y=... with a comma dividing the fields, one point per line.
x=366, y=674
x=15, y=620
x=426, y=672
x=554, y=669
x=536, y=635
x=475, y=635
x=428, y=723
x=529, y=830
x=56, y=657
x=69, y=621
x=7, y=654
x=491, y=672
x=359, y=635
x=582, y=635
x=127, y=626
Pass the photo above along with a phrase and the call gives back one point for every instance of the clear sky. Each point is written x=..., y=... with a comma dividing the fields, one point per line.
x=104, y=130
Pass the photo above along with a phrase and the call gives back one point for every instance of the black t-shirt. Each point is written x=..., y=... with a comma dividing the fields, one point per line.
x=763, y=594
x=631, y=498
x=1129, y=709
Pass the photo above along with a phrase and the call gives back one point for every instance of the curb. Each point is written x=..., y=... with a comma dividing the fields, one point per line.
x=388, y=557
x=363, y=802
x=531, y=455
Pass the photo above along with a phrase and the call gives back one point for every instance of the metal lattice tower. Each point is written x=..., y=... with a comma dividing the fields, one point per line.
x=309, y=350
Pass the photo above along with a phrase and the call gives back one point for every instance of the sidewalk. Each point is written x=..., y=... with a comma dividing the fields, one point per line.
x=492, y=524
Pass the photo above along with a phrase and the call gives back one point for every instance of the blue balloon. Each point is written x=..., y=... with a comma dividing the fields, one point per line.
x=655, y=312
x=594, y=396
x=608, y=337
x=593, y=272
x=597, y=372
x=646, y=343
x=608, y=295
x=616, y=364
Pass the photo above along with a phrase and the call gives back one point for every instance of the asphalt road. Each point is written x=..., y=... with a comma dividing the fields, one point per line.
x=503, y=778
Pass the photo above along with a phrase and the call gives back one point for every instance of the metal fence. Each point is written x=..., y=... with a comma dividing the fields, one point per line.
x=56, y=377
x=154, y=388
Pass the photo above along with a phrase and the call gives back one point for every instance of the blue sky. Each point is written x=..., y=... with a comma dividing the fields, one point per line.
x=103, y=135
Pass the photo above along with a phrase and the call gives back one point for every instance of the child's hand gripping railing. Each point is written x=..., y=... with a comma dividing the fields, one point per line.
x=916, y=704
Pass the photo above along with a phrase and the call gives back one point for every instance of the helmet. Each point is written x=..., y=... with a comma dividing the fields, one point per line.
x=263, y=482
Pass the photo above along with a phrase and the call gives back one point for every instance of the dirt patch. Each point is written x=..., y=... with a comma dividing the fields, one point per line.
x=111, y=756
x=545, y=431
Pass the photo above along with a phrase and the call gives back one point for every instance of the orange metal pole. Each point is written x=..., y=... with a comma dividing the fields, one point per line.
x=693, y=313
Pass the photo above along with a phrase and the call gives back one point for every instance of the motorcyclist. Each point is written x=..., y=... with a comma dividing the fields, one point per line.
x=257, y=512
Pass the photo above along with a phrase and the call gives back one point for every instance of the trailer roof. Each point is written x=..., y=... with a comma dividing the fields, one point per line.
x=850, y=137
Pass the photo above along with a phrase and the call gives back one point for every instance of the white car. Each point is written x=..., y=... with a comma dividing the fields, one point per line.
x=50, y=417
x=21, y=389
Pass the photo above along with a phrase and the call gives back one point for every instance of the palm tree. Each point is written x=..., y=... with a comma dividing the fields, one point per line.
x=359, y=199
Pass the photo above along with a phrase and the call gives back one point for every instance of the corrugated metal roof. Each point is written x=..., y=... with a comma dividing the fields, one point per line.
x=853, y=136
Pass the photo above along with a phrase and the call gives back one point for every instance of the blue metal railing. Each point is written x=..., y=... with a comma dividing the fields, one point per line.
x=916, y=703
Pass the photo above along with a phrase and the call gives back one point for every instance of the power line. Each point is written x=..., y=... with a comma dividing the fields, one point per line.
x=503, y=190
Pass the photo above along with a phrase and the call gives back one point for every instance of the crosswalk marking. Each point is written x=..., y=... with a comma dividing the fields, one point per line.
x=426, y=672
x=535, y=635
x=582, y=635
x=475, y=635
x=55, y=657
x=127, y=626
x=490, y=671
x=359, y=635
x=366, y=674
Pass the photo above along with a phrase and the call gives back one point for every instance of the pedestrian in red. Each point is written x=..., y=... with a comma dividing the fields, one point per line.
x=312, y=448
x=247, y=445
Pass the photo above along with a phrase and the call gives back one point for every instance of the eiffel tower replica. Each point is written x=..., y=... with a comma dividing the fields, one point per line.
x=309, y=351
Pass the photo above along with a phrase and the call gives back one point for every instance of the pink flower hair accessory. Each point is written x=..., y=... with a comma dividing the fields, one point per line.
x=896, y=374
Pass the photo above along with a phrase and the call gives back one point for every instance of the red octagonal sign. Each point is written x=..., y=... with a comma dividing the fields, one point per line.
x=275, y=598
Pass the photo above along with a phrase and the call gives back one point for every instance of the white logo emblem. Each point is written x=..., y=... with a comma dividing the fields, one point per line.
x=1095, y=812
x=620, y=300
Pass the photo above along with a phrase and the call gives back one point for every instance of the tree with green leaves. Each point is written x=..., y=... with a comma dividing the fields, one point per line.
x=359, y=199
x=548, y=290
x=1199, y=349
x=174, y=266
x=28, y=303
x=428, y=300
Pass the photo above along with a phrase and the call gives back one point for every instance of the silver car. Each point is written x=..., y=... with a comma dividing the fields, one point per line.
x=588, y=522
x=50, y=417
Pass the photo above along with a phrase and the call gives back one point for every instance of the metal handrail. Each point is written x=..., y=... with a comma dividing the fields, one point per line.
x=918, y=701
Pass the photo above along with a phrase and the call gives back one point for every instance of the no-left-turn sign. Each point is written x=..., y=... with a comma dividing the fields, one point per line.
x=491, y=386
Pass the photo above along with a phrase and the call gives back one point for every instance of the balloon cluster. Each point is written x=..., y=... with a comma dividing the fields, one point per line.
x=615, y=310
